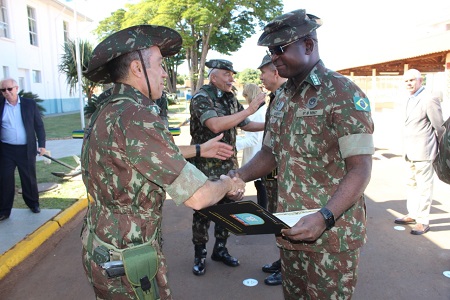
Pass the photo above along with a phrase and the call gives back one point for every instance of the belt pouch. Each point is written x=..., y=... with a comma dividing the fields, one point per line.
x=141, y=266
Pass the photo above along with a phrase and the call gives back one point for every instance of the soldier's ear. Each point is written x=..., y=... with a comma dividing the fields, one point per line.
x=136, y=68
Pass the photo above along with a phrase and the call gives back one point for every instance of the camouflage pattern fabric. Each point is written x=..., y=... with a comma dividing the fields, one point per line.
x=310, y=275
x=288, y=27
x=127, y=40
x=200, y=226
x=270, y=180
x=312, y=128
x=163, y=104
x=129, y=163
x=441, y=163
x=207, y=103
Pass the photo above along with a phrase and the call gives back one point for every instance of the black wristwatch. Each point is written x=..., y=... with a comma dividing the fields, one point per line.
x=328, y=216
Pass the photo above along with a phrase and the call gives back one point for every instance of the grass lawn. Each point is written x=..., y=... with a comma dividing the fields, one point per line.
x=65, y=195
x=69, y=191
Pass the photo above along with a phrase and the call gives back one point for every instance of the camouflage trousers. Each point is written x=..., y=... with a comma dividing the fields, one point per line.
x=200, y=226
x=272, y=194
x=312, y=275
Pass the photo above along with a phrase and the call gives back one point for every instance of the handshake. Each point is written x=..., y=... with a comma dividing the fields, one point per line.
x=236, y=185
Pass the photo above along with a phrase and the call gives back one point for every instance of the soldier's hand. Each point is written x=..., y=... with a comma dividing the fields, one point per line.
x=237, y=188
x=216, y=149
x=256, y=103
x=233, y=173
x=308, y=229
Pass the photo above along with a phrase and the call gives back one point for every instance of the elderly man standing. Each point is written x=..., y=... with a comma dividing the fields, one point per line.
x=21, y=124
x=129, y=162
x=422, y=131
x=215, y=109
x=320, y=137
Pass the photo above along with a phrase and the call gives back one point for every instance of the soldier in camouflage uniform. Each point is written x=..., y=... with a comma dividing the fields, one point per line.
x=320, y=138
x=215, y=109
x=273, y=82
x=130, y=162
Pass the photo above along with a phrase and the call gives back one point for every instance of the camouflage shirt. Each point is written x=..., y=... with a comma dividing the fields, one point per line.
x=312, y=129
x=210, y=102
x=129, y=162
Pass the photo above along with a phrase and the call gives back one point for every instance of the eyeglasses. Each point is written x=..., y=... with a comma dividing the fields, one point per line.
x=9, y=89
x=278, y=50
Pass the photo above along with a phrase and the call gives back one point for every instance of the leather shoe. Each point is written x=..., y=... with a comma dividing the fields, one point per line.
x=405, y=221
x=3, y=217
x=274, y=279
x=221, y=254
x=199, y=266
x=420, y=229
x=35, y=210
x=273, y=267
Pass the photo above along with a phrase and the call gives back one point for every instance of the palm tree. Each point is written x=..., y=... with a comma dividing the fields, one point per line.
x=68, y=66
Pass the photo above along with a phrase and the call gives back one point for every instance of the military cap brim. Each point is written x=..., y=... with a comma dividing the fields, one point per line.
x=266, y=60
x=221, y=64
x=127, y=40
x=288, y=27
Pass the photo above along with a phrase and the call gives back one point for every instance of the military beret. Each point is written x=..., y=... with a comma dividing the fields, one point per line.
x=220, y=64
x=127, y=40
x=288, y=27
x=266, y=60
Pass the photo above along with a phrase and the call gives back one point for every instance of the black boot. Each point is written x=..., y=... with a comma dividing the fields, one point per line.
x=199, y=260
x=220, y=253
x=274, y=279
x=273, y=267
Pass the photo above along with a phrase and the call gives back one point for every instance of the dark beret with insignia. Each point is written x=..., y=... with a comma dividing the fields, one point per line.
x=127, y=40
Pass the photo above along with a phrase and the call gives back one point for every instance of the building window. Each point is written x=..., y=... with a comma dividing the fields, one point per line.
x=4, y=29
x=37, y=76
x=66, y=31
x=32, y=27
x=5, y=72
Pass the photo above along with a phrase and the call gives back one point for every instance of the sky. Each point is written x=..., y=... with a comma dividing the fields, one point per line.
x=353, y=31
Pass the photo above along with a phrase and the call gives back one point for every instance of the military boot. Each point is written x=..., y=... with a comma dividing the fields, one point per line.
x=199, y=260
x=220, y=253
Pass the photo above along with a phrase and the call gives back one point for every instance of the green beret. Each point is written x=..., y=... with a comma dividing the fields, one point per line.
x=127, y=40
x=266, y=60
x=288, y=27
x=220, y=64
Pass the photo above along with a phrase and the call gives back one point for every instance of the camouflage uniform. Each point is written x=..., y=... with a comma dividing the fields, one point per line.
x=270, y=180
x=210, y=102
x=312, y=129
x=129, y=163
x=163, y=104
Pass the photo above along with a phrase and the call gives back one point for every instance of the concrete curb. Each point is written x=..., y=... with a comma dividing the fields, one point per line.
x=30, y=243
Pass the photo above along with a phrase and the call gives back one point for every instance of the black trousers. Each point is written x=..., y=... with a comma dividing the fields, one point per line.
x=12, y=157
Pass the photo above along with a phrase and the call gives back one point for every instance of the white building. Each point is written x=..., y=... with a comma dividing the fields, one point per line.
x=32, y=36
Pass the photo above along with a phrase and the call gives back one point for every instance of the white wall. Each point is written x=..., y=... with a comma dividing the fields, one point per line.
x=22, y=58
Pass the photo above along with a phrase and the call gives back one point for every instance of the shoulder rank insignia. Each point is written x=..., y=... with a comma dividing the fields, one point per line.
x=314, y=79
x=361, y=104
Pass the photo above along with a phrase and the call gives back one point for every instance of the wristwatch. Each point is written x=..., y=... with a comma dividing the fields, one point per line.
x=328, y=216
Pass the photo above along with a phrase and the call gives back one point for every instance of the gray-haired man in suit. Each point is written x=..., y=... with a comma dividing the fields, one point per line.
x=422, y=131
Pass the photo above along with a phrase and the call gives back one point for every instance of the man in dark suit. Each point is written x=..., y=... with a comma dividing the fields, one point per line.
x=21, y=123
x=422, y=131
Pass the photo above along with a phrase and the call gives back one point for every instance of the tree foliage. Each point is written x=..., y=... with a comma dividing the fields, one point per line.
x=68, y=66
x=220, y=25
x=35, y=97
x=248, y=76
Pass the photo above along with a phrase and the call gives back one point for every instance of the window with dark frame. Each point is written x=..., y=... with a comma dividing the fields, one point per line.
x=4, y=27
x=32, y=26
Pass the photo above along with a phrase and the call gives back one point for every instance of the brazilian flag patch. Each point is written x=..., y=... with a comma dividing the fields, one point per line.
x=362, y=104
